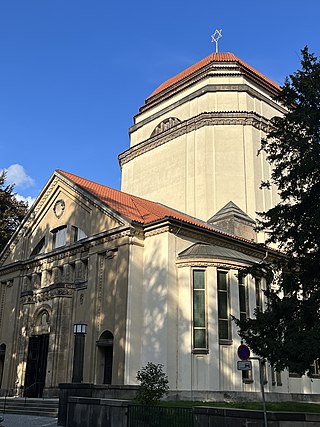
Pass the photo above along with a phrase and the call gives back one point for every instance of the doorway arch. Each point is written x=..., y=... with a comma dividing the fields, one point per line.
x=105, y=350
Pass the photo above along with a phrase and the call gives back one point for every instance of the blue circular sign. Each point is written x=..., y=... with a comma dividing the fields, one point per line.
x=243, y=352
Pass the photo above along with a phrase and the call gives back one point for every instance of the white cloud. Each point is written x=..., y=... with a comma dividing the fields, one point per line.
x=29, y=200
x=18, y=176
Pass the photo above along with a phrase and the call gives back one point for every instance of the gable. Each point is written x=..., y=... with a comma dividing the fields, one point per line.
x=61, y=216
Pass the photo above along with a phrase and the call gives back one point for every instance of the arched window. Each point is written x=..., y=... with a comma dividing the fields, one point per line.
x=105, y=344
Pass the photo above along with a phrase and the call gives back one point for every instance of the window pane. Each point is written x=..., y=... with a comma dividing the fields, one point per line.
x=223, y=329
x=242, y=298
x=223, y=305
x=222, y=280
x=199, y=338
x=199, y=310
x=199, y=315
x=59, y=238
x=198, y=279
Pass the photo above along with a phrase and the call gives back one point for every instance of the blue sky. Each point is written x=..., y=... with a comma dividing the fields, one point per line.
x=73, y=73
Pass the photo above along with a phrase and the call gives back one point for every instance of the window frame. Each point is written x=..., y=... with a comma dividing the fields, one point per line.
x=258, y=295
x=243, y=287
x=224, y=340
x=205, y=349
x=55, y=232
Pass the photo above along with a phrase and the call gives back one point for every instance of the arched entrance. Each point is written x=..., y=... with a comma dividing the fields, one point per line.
x=105, y=347
x=2, y=357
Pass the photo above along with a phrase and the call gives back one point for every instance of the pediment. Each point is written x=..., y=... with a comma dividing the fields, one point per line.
x=60, y=206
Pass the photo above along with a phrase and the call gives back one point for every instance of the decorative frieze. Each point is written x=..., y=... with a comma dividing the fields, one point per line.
x=47, y=293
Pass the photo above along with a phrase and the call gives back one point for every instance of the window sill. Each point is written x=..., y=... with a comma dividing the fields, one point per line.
x=225, y=342
x=200, y=351
x=247, y=381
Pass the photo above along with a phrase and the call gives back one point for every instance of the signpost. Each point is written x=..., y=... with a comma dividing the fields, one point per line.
x=243, y=352
x=245, y=364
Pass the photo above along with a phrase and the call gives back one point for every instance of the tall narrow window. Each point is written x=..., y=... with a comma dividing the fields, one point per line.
x=258, y=295
x=243, y=306
x=223, y=306
x=199, y=311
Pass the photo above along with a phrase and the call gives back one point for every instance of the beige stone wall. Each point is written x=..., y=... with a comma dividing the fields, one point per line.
x=204, y=162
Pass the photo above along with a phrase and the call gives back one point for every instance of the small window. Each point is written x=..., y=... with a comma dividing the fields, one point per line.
x=199, y=311
x=59, y=237
x=39, y=249
x=243, y=297
x=78, y=234
x=223, y=306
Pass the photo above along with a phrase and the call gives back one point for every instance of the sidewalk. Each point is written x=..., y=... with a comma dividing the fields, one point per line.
x=12, y=420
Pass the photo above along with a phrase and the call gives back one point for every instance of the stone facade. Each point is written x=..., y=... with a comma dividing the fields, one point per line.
x=152, y=283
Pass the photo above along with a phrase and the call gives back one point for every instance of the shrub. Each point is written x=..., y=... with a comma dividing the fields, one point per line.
x=154, y=383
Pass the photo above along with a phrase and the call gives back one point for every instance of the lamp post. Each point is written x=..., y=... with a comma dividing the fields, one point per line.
x=79, y=330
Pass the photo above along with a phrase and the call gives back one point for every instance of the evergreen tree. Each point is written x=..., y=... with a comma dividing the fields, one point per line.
x=11, y=211
x=288, y=332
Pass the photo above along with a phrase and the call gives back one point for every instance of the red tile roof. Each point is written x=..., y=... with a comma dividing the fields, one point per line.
x=138, y=209
x=213, y=57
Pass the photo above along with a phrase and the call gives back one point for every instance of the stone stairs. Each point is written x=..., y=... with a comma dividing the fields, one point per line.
x=29, y=406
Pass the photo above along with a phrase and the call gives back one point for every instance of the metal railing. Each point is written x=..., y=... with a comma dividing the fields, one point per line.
x=159, y=416
x=33, y=385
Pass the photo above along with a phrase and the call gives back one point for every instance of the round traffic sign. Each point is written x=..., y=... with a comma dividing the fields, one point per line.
x=243, y=352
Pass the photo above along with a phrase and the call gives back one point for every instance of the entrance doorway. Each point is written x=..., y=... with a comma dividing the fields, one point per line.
x=36, y=365
x=105, y=344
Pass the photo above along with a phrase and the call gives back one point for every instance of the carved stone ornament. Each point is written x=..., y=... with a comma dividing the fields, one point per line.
x=58, y=208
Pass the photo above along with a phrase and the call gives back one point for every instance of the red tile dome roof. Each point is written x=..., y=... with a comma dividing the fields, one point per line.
x=219, y=57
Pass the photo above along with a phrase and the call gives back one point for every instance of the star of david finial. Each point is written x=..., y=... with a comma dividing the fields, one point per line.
x=215, y=37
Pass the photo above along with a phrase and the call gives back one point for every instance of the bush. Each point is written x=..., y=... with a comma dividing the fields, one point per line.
x=154, y=383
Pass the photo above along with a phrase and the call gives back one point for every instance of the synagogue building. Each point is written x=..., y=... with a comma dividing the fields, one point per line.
x=155, y=270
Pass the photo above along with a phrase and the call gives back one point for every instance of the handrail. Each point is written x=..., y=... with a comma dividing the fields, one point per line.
x=33, y=384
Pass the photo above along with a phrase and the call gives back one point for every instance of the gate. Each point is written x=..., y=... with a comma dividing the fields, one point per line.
x=159, y=416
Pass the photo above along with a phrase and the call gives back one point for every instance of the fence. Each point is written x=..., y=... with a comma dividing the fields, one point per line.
x=158, y=416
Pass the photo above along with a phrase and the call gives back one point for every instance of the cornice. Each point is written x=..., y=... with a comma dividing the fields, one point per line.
x=154, y=231
x=84, y=249
x=212, y=69
x=195, y=234
x=239, y=118
x=198, y=262
x=209, y=88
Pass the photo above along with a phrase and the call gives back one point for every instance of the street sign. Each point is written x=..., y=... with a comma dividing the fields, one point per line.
x=243, y=352
x=244, y=365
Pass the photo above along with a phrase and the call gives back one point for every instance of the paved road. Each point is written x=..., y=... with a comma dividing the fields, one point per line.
x=11, y=420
